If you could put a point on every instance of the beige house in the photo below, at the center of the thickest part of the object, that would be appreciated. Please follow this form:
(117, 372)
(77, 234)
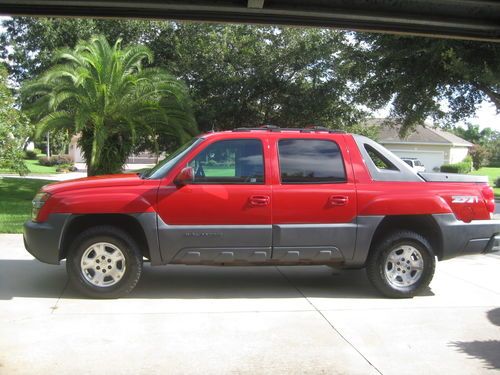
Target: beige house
(74, 151)
(76, 154)
(433, 147)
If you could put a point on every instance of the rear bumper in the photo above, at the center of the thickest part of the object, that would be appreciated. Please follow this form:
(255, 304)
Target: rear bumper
(459, 238)
(43, 240)
(494, 245)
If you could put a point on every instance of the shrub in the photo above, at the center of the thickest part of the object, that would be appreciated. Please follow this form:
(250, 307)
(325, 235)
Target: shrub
(463, 167)
(65, 168)
(44, 160)
(55, 160)
(497, 182)
(30, 154)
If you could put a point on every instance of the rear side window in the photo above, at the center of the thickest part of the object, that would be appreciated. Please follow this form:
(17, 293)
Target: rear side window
(310, 161)
(238, 161)
(380, 161)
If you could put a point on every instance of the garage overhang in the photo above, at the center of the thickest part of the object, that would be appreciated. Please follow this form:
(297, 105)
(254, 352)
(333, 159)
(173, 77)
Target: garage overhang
(467, 19)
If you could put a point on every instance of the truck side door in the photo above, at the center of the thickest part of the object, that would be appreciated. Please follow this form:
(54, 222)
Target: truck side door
(314, 199)
(224, 215)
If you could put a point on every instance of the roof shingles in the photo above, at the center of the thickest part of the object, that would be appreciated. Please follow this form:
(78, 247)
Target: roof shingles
(389, 133)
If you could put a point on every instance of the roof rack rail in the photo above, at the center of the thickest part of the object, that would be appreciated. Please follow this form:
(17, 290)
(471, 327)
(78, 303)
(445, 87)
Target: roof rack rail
(263, 127)
(274, 128)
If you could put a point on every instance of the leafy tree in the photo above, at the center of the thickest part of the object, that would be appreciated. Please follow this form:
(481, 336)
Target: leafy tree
(487, 144)
(28, 43)
(105, 94)
(245, 75)
(14, 129)
(479, 155)
(474, 134)
(237, 75)
(416, 75)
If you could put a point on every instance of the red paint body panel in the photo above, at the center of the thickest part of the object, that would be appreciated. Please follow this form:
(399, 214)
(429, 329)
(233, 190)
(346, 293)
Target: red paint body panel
(213, 205)
(124, 194)
(298, 203)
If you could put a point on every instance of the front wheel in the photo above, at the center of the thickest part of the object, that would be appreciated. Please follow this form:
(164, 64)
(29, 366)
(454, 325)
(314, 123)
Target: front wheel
(104, 262)
(402, 265)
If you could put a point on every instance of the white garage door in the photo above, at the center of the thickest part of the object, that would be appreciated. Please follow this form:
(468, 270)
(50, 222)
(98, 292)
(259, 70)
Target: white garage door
(430, 159)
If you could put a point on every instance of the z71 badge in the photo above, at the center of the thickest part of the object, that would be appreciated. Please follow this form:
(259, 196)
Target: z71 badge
(464, 199)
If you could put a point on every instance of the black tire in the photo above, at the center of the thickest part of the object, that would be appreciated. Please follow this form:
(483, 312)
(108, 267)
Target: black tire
(376, 264)
(116, 237)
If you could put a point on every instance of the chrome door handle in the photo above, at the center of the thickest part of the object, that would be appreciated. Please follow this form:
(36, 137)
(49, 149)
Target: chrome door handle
(338, 200)
(259, 200)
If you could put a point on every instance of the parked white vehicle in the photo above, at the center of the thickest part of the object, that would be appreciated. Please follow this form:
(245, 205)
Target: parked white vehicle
(416, 164)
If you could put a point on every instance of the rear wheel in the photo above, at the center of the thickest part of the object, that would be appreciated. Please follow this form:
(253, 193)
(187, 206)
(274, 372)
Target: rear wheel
(104, 262)
(402, 265)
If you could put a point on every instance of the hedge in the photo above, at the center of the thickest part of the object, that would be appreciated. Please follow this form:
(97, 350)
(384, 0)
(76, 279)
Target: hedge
(463, 167)
(55, 160)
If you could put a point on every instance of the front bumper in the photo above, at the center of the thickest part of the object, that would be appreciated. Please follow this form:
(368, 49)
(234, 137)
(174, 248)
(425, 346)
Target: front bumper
(43, 240)
(459, 238)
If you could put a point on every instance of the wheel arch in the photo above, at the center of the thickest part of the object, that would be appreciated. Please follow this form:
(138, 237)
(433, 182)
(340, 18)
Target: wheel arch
(127, 223)
(424, 225)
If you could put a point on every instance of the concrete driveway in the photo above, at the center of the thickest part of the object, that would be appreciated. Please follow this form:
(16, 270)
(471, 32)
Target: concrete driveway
(285, 320)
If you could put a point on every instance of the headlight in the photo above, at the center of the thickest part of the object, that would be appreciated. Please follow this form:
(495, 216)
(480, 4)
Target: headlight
(38, 203)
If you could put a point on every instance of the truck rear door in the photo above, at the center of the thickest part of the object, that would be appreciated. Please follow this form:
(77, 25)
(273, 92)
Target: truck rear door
(314, 198)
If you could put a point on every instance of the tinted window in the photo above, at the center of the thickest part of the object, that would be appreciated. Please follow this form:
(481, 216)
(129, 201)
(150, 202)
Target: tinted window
(229, 162)
(310, 161)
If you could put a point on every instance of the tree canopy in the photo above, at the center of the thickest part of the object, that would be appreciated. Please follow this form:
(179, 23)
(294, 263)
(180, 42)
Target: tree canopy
(237, 74)
(425, 77)
(106, 94)
(14, 129)
(240, 74)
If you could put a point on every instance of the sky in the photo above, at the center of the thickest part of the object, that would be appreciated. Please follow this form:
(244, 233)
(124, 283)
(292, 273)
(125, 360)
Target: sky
(486, 115)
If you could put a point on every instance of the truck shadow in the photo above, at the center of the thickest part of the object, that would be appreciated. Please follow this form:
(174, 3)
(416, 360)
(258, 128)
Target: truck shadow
(30, 278)
(488, 351)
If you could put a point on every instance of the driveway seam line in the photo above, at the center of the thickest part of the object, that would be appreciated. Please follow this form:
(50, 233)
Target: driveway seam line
(54, 308)
(328, 322)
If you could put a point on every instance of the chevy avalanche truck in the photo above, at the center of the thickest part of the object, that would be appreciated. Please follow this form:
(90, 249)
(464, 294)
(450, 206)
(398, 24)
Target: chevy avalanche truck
(265, 196)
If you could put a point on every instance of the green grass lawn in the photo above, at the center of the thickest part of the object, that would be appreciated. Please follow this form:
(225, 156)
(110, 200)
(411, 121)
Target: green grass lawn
(34, 168)
(219, 171)
(493, 174)
(15, 202)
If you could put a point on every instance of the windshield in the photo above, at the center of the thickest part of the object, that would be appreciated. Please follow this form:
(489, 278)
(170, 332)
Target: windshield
(408, 162)
(163, 167)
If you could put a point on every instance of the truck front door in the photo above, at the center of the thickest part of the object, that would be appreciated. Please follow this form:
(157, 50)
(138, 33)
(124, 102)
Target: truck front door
(224, 215)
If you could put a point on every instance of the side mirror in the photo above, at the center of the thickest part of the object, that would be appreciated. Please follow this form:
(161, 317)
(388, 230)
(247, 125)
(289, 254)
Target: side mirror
(185, 177)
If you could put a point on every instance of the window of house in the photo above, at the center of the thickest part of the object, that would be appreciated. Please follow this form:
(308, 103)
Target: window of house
(310, 161)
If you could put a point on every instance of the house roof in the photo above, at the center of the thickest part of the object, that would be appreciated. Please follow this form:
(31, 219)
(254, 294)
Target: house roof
(389, 133)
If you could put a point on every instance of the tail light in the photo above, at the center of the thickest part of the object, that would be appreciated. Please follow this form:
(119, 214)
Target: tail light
(489, 198)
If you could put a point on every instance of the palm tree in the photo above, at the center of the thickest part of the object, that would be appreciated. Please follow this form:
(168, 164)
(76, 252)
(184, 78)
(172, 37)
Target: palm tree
(105, 94)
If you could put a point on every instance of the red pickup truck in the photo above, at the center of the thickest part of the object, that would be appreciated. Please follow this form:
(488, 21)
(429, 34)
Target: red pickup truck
(265, 196)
